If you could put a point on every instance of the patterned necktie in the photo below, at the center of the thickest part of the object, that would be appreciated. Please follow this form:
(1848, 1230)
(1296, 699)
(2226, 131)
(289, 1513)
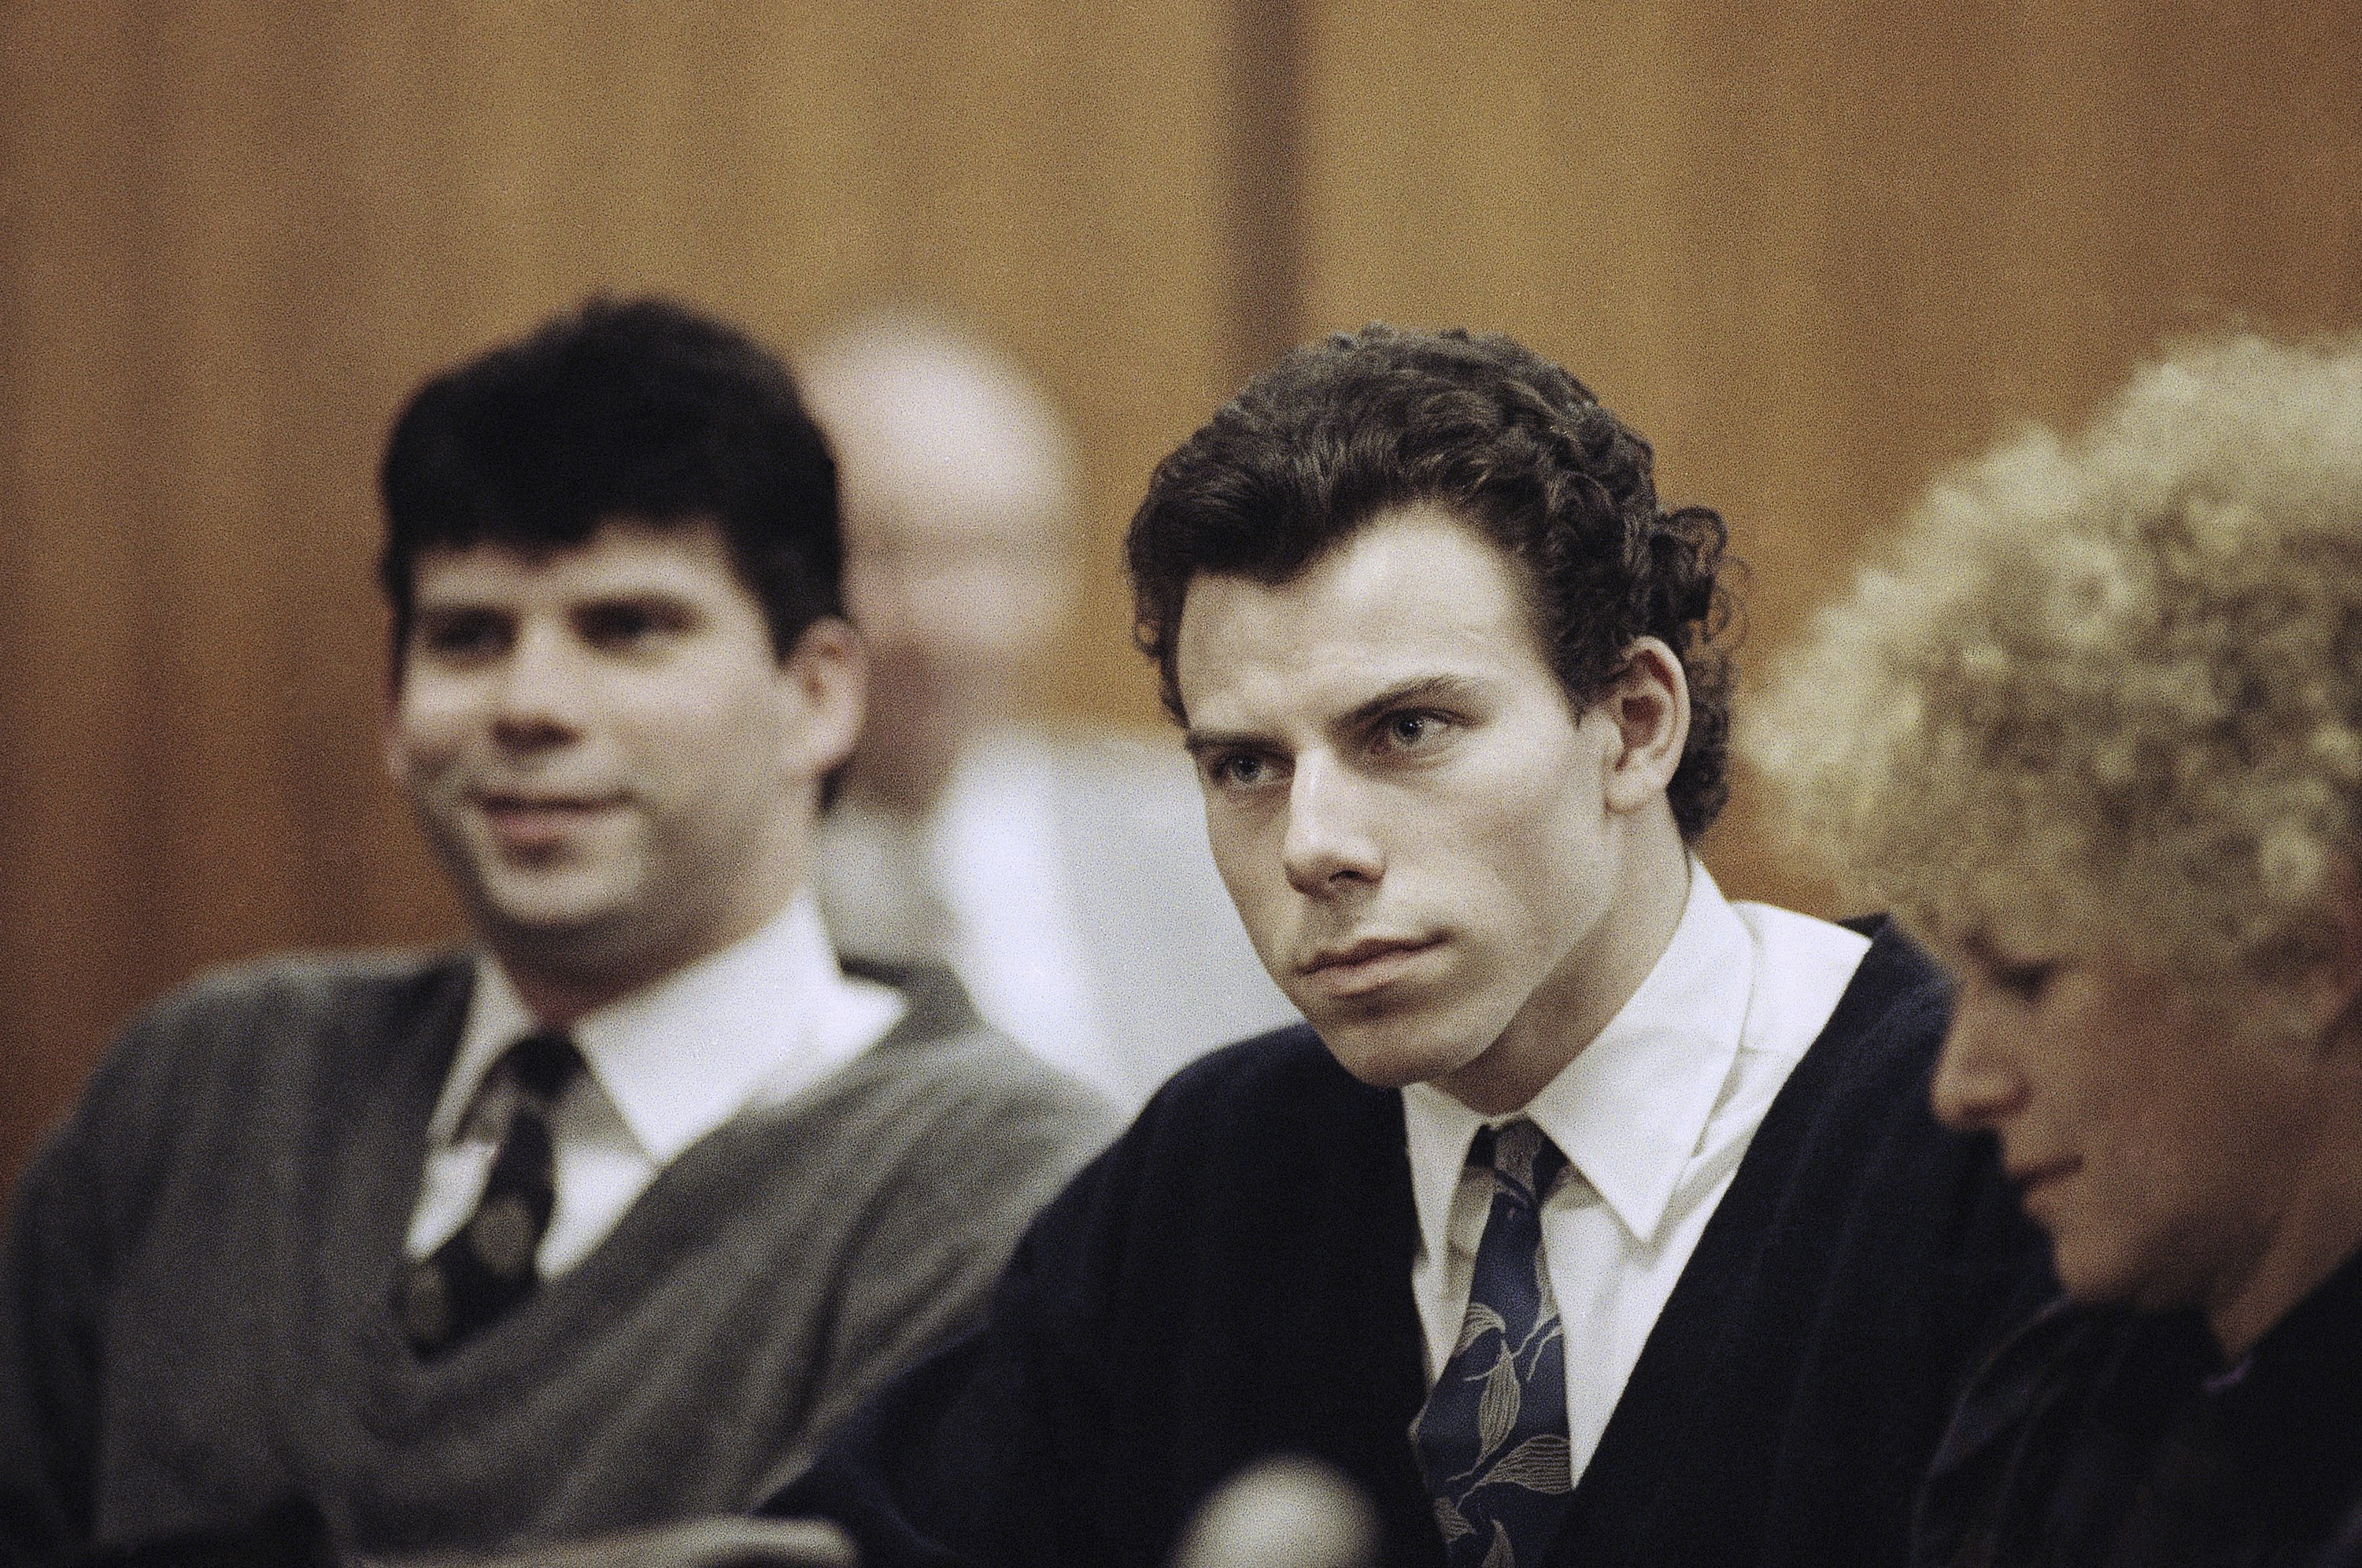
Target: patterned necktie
(1491, 1442)
(486, 1265)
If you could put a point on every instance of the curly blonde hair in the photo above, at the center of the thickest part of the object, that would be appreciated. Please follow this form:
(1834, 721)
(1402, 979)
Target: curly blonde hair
(2107, 692)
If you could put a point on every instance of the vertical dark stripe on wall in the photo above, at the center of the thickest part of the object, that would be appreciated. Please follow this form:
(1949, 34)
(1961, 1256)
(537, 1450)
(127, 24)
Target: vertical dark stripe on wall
(1265, 88)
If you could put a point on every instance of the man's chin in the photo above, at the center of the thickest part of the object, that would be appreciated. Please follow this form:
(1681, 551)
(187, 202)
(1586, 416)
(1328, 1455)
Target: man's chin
(1392, 1052)
(569, 930)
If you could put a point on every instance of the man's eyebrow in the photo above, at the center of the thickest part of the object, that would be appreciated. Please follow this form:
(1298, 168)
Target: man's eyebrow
(1449, 689)
(1197, 742)
(635, 597)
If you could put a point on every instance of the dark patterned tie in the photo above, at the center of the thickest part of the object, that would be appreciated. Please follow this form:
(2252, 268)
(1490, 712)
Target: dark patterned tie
(1491, 1442)
(487, 1266)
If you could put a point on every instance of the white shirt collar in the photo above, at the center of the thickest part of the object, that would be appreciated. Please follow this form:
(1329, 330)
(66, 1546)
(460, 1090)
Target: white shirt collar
(758, 1020)
(1631, 1109)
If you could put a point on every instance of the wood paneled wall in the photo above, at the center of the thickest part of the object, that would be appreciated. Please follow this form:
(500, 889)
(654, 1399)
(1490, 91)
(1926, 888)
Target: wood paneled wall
(1816, 250)
(1813, 248)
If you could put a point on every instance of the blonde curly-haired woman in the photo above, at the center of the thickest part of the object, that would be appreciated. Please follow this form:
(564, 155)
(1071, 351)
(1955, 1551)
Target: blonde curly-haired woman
(2095, 731)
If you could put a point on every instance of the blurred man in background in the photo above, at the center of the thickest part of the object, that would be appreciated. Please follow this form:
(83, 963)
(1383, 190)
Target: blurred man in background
(605, 1220)
(1064, 877)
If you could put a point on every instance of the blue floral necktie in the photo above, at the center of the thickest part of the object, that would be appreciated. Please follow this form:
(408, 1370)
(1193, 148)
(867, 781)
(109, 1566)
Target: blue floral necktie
(1491, 1442)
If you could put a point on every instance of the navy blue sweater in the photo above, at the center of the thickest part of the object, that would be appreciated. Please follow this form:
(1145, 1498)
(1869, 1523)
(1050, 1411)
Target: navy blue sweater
(1232, 1280)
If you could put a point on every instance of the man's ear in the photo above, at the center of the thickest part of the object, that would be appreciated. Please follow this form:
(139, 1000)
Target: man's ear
(1649, 704)
(823, 691)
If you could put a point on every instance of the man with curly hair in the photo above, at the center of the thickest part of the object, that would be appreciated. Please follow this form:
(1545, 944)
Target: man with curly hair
(1592, 1219)
(2097, 736)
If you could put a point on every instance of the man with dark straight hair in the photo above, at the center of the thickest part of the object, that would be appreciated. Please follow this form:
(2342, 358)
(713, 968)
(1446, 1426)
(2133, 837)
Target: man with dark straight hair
(1594, 1218)
(604, 1220)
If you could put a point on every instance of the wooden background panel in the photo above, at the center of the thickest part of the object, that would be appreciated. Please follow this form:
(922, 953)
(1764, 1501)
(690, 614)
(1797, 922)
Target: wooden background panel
(1816, 250)
(239, 232)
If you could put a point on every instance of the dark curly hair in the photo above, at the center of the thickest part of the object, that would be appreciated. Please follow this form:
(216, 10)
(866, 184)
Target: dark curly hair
(1367, 422)
(638, 408)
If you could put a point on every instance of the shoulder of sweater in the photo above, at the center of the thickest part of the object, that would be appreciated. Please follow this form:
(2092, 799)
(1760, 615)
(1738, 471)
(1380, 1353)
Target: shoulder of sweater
(332, 983)
(1227, 1120)
(1238, 1158)
(1278, 1096)
(197, 1067)
(1896, 1006)
(1862, 1086)
(1290, 1057)
(263, 1008)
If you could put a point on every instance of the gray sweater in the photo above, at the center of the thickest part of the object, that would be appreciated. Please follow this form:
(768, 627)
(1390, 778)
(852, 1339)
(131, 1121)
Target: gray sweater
(194, 1298)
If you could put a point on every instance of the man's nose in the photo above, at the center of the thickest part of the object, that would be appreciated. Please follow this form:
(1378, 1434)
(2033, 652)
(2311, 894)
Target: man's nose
(538, 694)
(1977, 1083)
(1330, 842)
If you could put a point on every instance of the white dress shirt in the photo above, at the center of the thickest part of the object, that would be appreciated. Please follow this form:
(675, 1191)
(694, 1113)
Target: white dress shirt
(1653, 1116)
(753, 1025)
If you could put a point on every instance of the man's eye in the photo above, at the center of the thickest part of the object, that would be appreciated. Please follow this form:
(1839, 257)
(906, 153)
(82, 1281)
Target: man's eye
(1405, 731)
(463, 635)
(627, 626)
(1239, 770)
